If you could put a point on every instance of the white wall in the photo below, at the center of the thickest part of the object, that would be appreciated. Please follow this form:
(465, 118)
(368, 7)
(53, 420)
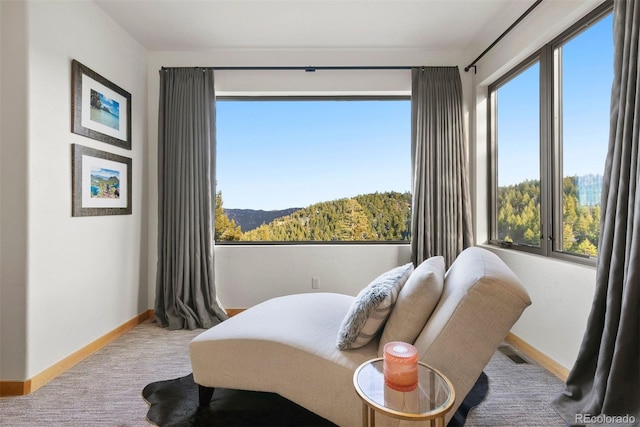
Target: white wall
(83, 276)
(561, 291)
(247, 275)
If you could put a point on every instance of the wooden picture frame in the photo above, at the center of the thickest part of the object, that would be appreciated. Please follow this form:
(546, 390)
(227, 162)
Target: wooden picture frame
(100, 109)
(101, 182)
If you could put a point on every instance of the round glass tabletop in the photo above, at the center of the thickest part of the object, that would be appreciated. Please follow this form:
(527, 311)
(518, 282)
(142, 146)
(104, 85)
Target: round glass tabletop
(433, 397)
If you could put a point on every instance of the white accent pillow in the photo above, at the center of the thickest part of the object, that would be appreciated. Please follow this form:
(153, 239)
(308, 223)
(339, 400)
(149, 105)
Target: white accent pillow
(371, 308)
(416, 302)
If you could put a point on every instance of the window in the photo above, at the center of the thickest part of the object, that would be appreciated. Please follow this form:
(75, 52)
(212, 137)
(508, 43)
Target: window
(549, 132)
(518, 176)
(313, 170)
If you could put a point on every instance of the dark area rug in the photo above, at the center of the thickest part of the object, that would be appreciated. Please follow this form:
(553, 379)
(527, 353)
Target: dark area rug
(175, 403)
(475, 397)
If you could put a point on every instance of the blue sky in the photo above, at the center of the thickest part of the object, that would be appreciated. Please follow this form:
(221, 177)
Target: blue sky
(282, 154)
(587, 63)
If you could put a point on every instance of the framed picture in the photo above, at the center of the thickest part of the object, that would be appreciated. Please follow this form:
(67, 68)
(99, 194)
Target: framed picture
(101, 182)
(99, 109)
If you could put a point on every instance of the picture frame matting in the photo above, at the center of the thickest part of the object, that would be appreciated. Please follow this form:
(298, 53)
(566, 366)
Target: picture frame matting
(100, 109)
(101, 182)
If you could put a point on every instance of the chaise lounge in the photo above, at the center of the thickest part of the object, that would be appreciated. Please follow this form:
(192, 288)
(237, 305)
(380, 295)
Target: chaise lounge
(287, 345)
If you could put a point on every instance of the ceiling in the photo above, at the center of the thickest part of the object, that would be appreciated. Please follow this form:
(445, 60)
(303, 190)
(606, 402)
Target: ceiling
(197, 25)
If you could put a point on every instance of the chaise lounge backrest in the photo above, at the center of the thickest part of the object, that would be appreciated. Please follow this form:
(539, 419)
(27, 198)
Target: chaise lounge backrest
(481, 300)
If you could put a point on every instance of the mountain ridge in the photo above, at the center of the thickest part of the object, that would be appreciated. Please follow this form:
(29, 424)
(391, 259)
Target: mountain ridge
(250, 219)
(373, 216)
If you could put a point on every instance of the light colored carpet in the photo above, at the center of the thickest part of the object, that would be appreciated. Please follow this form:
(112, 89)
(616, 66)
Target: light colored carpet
(105, 389)
(519, 395)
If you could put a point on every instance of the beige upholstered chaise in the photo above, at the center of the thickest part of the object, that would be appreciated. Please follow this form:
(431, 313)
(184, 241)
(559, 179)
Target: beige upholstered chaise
(287, 345)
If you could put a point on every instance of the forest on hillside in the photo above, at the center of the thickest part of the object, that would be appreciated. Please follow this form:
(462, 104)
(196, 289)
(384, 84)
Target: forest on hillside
(387, 216)
(519, 217)
(377, 216)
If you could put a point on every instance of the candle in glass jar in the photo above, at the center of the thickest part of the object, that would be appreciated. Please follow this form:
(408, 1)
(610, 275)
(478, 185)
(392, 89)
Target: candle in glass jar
(400, 366)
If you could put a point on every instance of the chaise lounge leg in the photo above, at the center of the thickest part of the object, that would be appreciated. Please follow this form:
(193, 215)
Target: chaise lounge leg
(204, 395)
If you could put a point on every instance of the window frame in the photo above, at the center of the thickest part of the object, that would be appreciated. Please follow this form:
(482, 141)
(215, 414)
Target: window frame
(258, 97)
(550, 144)
(493, 153)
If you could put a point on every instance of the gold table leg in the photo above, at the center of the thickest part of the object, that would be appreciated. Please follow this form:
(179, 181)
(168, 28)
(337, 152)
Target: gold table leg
(365, 415)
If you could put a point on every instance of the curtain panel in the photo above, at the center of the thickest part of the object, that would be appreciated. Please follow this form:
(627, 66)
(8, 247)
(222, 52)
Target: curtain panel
(185, 288)
(604, 383)
(441, 209)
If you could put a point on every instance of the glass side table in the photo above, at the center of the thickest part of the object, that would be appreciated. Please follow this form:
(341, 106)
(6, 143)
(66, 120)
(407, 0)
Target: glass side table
(431, 400)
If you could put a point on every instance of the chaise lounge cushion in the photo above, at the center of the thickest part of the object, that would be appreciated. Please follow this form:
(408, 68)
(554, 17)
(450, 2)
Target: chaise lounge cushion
(286, 345)
(371, 308)
(416, 301)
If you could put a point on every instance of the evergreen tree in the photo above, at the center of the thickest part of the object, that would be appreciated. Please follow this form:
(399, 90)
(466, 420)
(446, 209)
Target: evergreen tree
(378, 216)
(519, 217)
(225, 228)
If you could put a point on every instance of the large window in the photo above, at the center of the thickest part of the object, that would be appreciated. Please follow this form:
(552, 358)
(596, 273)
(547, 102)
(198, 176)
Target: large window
(518, 177)
(313, 170)
(549, 122)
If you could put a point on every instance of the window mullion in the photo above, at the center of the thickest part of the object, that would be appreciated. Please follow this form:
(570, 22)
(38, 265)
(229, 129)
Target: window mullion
(556, 160)
(547, 225)
(493, 165)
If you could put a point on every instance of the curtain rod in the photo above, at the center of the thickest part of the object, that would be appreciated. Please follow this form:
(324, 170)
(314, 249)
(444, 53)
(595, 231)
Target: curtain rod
(495, 42)
(311, 69)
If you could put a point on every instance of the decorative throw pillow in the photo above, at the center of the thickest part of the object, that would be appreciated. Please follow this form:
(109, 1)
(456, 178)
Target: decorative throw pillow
(371, 308)
(416, 301)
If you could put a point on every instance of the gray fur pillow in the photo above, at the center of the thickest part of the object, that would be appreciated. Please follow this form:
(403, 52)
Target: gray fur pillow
(371, 308)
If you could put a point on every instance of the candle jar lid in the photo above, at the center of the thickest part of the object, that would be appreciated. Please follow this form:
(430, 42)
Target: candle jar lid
(401, 350)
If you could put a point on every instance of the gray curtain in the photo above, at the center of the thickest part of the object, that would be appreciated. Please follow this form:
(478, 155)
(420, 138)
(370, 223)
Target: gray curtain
(185, 289)
(606, 376)
(441, 208)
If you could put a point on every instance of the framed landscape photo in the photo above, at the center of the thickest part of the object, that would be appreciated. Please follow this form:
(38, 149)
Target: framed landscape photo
(101, 182)
(99, 109)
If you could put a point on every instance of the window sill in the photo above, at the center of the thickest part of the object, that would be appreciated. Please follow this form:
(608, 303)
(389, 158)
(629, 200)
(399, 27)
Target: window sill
(316, 243)
(557, 257)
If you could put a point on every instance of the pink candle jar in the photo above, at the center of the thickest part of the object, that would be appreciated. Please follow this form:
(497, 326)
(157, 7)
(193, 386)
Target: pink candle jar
(400, 366)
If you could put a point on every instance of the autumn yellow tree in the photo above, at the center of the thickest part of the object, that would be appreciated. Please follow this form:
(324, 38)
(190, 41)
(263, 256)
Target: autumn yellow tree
(354, 224)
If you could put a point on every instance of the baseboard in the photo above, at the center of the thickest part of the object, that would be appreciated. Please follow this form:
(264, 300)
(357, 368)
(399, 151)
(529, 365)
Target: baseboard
(19, 388)
(14, 388)
(233, 311)
(537, 356)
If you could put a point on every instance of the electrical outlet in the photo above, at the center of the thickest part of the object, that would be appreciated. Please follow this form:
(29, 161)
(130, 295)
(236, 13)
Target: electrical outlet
(315, 283)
